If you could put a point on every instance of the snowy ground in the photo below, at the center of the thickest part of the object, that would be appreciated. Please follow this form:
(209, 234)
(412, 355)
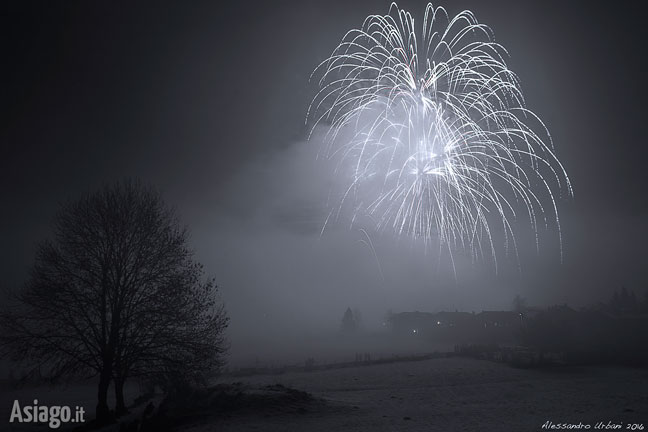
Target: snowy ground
(443, 394)
(450, 394)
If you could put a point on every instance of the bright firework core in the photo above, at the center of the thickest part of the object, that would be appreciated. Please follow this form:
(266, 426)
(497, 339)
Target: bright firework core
(429, 129)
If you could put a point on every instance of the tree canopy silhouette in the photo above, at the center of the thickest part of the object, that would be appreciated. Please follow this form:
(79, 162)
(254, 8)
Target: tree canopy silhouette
(117, 293)
(349, 322)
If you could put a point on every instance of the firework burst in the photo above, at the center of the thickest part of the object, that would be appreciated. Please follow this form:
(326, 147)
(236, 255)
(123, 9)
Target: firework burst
(429, 129)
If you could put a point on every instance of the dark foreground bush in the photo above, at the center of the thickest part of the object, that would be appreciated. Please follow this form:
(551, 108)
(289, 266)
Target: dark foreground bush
(221, 401)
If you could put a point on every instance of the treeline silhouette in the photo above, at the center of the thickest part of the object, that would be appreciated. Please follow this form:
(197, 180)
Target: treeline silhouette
(612, 332)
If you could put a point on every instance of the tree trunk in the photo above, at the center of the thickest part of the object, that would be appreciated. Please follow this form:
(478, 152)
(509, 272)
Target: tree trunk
(120, 406)
(102, 413)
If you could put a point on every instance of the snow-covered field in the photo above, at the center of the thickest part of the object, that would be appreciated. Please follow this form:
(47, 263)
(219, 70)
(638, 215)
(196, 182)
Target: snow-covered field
(442, 394)
(450, 394)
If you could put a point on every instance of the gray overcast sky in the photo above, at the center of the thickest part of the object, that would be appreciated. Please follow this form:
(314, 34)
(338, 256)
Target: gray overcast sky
(207, 103)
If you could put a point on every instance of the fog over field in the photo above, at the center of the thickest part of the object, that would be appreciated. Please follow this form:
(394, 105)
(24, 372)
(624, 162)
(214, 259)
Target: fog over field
(295, 301)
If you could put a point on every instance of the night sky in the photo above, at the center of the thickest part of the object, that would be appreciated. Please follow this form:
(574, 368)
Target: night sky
(208, 102)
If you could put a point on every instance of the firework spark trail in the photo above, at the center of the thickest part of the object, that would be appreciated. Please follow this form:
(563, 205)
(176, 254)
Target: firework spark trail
(430, 129)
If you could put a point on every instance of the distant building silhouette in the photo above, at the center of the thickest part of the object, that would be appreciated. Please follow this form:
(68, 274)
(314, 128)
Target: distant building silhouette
(459, 327)
(488, 319)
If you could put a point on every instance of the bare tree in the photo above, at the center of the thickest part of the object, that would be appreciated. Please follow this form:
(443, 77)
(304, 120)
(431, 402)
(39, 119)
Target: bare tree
(116, 294)
(177, 336)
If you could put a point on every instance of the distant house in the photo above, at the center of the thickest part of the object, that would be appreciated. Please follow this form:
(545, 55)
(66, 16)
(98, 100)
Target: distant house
(586, 336)
(459, 327)
(416, 322)
(426, 322)
(413, 322)
(489, 319)
(454, 319)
